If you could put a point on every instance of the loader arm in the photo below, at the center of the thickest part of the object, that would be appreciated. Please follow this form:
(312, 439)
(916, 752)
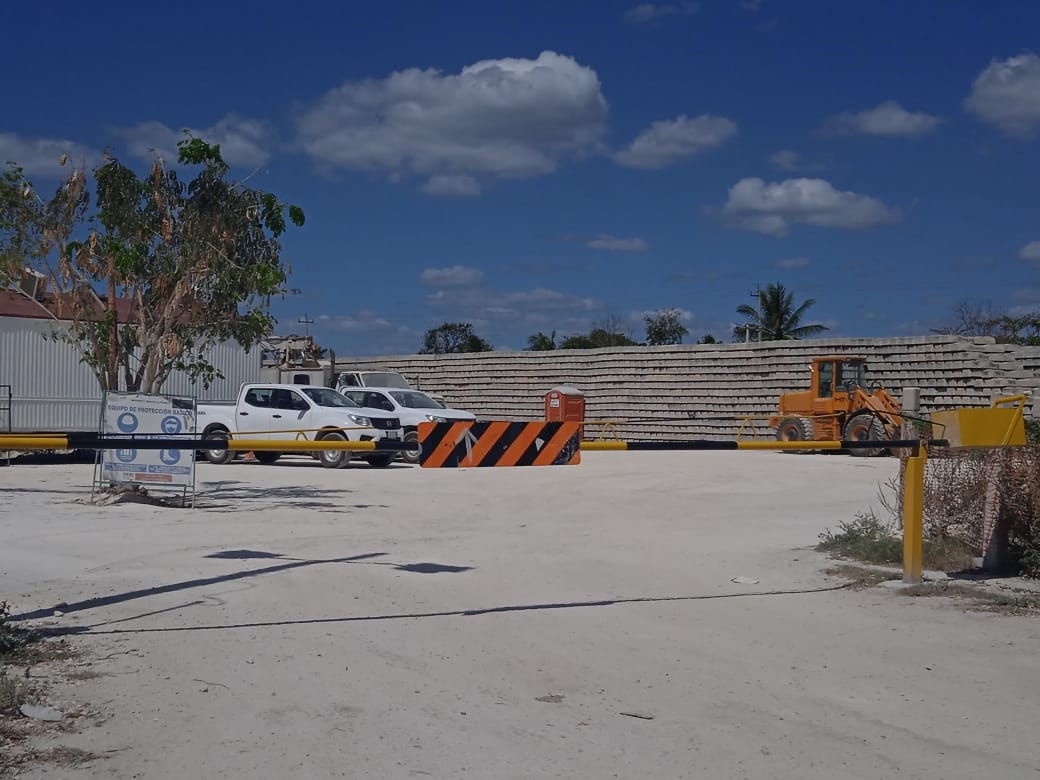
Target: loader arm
(882, 404)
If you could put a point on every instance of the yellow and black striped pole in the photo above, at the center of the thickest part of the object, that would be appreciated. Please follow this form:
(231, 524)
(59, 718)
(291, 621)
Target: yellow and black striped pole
(709, 445)
(93, 441)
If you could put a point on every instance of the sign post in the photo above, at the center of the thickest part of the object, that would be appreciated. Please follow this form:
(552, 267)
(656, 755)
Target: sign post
(143, 416)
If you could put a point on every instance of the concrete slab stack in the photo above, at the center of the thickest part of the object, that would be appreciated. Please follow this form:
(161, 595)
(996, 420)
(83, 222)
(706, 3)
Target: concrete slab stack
(708, 391)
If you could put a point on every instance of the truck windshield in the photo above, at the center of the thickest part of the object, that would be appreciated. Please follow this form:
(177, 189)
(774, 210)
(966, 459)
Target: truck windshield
(413, 399)
(385, 379)
(322, 396)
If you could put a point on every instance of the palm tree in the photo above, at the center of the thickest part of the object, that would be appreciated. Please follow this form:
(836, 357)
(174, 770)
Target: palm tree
(539, 342)
(776, 318)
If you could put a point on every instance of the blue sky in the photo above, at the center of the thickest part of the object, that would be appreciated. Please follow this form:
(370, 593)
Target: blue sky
(545, 166)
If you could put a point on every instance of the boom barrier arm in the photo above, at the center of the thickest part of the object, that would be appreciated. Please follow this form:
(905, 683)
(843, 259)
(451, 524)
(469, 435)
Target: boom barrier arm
(93, 441)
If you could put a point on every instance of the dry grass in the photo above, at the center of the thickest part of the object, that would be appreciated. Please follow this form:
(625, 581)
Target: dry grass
(973, 596)
(14, 692)
(979, 597)
(55, 756)
(862, 577)
(83, 674)
(40, 651)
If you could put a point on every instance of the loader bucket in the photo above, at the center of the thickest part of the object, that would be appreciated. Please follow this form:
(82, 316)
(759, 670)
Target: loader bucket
(998, 426)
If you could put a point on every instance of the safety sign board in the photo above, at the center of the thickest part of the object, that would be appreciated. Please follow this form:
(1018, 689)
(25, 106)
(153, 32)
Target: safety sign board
(136, 415)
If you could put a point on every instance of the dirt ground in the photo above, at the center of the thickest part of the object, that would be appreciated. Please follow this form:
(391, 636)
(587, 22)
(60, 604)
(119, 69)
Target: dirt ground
(642, 615)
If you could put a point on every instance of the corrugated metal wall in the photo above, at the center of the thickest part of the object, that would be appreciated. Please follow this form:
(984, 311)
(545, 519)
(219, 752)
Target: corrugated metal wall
(52, 390)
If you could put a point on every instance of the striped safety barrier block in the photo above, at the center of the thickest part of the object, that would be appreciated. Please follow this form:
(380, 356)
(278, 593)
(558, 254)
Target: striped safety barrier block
(499, 443)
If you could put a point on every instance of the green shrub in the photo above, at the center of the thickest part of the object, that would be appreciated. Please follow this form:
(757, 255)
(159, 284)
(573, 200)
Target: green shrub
(867, 538)
(10, 639)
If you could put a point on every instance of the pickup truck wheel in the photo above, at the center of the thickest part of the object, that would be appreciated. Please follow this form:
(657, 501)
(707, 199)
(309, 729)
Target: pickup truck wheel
(865, 427)
(380, 461)
(411, 457)
(267, 458)
(215, 455)
(333, 459)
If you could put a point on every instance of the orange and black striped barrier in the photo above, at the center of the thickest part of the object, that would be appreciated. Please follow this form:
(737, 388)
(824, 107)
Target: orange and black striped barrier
(499, 443)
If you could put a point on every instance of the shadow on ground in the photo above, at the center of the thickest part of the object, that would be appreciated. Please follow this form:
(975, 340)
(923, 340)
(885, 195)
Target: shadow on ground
(289, 563)
(238, 496)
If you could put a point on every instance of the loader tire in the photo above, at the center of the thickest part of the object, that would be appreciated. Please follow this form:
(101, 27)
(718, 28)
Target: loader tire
(794, 429)
(865, 427)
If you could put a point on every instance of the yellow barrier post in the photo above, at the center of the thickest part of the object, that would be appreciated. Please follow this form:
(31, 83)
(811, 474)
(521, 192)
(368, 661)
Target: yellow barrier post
(913, 515)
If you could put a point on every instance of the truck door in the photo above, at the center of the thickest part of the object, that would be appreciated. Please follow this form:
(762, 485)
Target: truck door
(289, 414)
(256, 412)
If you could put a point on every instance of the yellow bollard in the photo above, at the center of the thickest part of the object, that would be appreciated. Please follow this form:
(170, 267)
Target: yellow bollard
(913, 515)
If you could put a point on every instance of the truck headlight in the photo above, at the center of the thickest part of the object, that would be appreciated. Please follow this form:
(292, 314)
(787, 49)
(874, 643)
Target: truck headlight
(436, 418)
(359, 420)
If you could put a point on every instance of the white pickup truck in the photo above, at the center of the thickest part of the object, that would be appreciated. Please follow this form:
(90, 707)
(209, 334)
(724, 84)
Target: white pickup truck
(274, 411)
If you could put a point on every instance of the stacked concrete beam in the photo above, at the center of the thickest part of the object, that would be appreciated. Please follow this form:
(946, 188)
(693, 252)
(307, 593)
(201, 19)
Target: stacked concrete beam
(710, 391)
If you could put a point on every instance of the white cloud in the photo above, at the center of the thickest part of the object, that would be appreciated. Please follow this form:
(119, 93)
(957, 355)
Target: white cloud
(243, 142)
(42, 156)
(505, 118)
(771, 208)
(1027, 300)
(367, 333)
(1030, 251)
(614, 244)
(363, 321)
(453, 276)
(456, 184)
(1007, 94)
(794, 262)
(648, 12)
(536, 308)
(543, 298)
(786, 160)
(1025, 310)
(888, 120)
(670, 141)
(639, 317)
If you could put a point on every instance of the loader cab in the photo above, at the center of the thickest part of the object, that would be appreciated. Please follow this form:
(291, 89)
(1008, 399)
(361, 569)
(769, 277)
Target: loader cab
(853, 374)
(837, 374)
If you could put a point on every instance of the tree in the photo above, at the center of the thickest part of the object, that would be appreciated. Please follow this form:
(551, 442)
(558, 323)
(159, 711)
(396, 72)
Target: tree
(453, 337)
(978, 319)
(609, 332)
(776, 318)
(707, 338)
(596, 339)
(158, 272)
(665, 327)
(539, 342)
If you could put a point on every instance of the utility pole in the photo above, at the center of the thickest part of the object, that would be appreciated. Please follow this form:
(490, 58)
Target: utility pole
(757, 295)
(306, 322)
